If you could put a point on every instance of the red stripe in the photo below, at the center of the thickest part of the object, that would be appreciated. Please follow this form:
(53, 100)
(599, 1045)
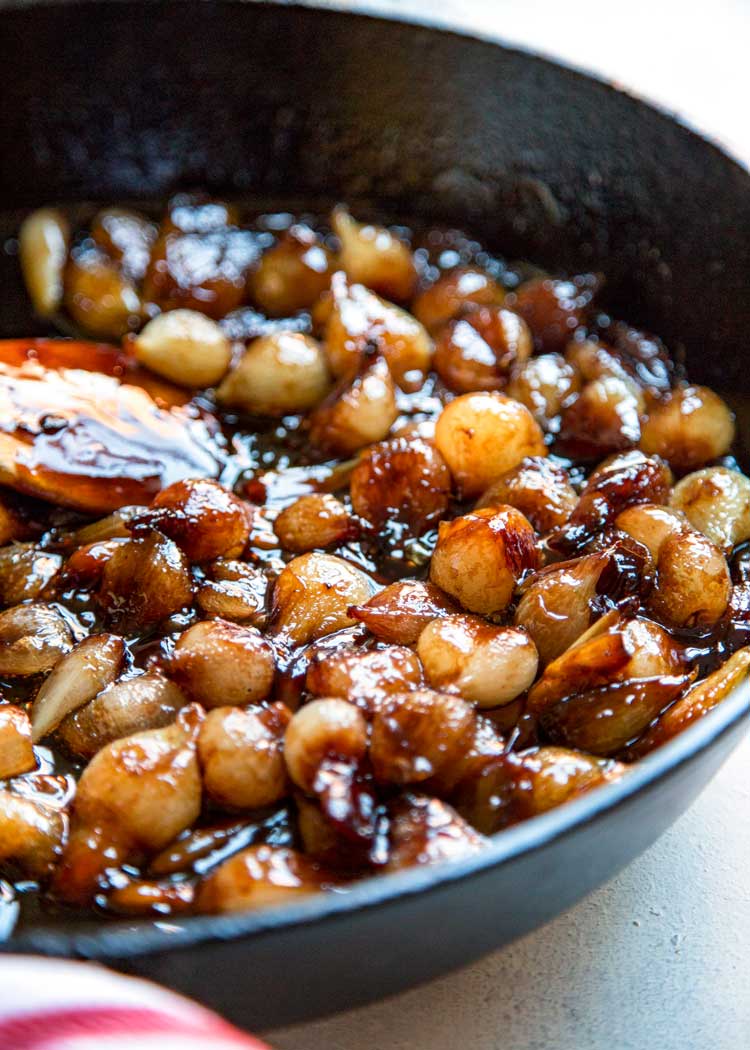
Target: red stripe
(35, 1031)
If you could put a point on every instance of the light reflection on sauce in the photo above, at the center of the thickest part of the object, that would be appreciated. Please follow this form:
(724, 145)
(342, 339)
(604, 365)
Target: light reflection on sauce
(89, 441)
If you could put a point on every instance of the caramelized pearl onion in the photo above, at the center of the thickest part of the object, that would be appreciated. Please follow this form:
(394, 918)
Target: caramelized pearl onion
(374, 256)
(293, 274)
(606, 689)
(357, 547)
(359, 323)
(242, 756)
(481, 436)
(478, 351)
(540, 489)
(487, 665)
(453, 292)
(480, 557)
(403, 480)
(364, 677)
(399, 612)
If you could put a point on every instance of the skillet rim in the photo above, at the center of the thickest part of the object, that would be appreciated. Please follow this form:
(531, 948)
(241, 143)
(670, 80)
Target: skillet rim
(368, 12)
(110, 942)
(145, 937)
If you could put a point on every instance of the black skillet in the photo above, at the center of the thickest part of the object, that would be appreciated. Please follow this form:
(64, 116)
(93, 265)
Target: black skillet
(115, 100)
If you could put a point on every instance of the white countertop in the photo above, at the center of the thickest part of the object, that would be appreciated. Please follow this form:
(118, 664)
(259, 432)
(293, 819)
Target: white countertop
(659, 959)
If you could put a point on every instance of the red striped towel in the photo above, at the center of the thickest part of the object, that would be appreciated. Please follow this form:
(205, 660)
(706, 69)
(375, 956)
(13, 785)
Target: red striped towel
(46, 1004)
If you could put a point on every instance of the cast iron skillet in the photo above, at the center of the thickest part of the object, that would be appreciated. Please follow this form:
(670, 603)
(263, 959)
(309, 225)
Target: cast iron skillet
(110, 101)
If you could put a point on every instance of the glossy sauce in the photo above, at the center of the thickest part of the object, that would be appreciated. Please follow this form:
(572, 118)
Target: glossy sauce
(113, 442)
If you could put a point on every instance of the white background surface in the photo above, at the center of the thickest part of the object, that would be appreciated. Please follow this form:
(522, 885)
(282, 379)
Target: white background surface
(659, 959)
